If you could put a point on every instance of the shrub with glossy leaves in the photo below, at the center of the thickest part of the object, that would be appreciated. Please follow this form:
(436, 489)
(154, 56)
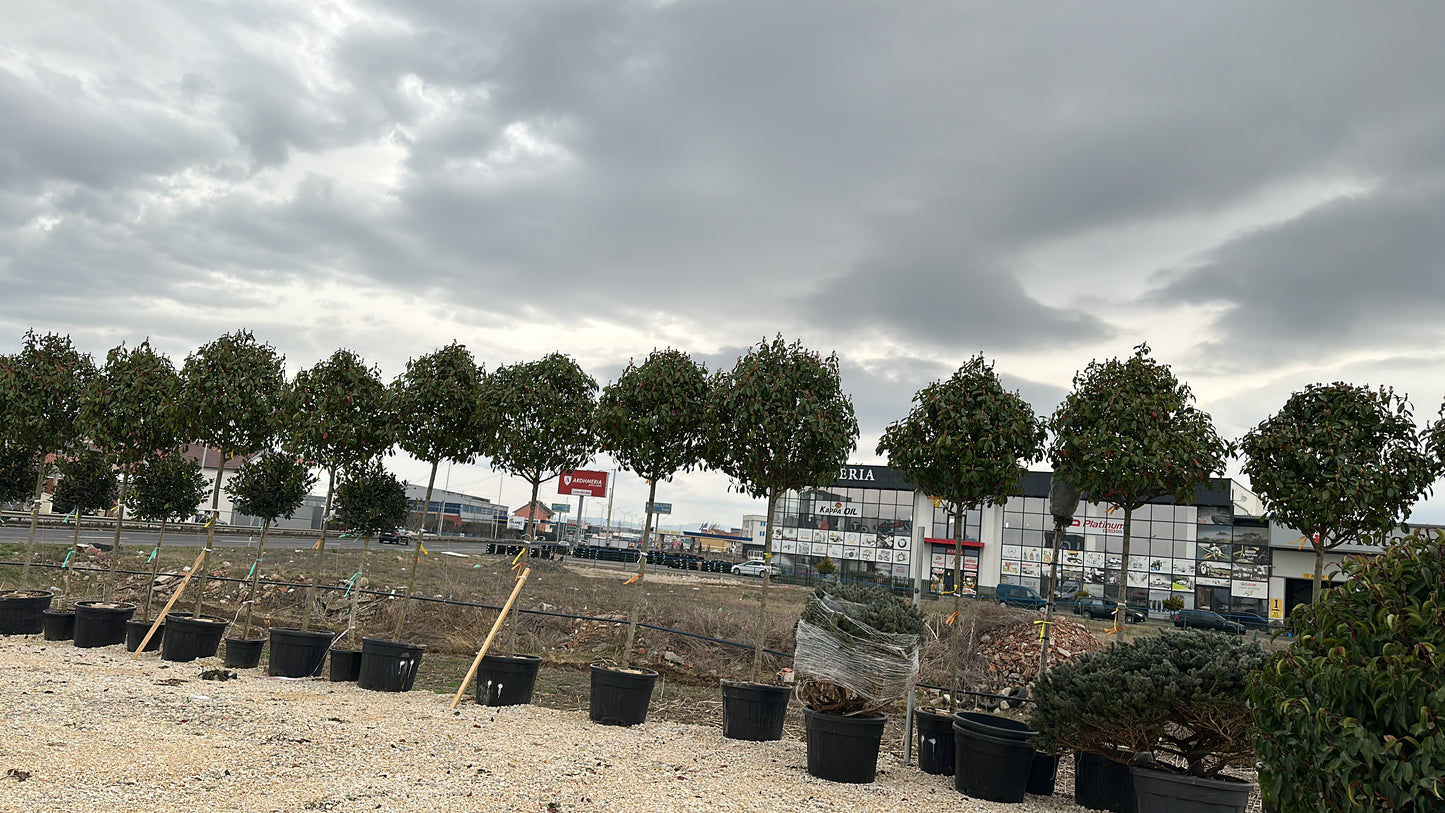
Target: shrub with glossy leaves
(1350, 717)
(1178, 695)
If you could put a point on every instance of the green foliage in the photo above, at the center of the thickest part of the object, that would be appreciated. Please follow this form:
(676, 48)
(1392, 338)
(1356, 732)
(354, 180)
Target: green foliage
(825, 566)
(653, 418)
(129, 409)
(339, 413)
(1180, 695)
(270, 486)
(1340, 461)
(1351, 715)
(233, 390)
(540, 417)
(779, 420)
(369, 499)
(878, 607)
(1174, 603)
(18, 468)
(967, 440)
(40, 391)
(438, 395)
(166, 486)
(1129, 433)
(87, 481)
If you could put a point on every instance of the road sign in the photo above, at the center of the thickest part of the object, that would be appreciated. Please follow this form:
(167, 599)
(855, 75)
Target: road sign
(659, 507)
(561, 507)
(588, 483)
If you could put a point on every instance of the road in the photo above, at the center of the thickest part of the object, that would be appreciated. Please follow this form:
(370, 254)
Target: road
(18, 532)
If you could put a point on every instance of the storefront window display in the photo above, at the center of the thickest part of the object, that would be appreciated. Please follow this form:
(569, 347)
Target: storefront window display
(864, 530)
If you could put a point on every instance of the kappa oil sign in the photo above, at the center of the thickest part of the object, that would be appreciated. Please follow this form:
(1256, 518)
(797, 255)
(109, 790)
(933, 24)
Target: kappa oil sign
(838, 509)
(589, 483)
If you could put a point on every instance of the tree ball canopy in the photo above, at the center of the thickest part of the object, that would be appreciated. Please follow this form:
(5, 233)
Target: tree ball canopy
(653, 419)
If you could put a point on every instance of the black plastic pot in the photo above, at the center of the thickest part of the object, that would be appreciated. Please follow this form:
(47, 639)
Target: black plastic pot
(507, 680)
(297, 654)
(1043, 774)
(188, 638)
(244, 653)
(935, 741)
(754, 711)
(620, 697)
(995, 726)
(100, 624)
(995, 769)
(388, 666)
(345, 665)
(57, 625)
(843, 749)
(20, 611)
(1160, 792)
(1103, 784)
(135, 632)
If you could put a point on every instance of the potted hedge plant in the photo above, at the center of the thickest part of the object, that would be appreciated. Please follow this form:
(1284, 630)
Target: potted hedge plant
(369, 499)
(1348, 717)
(857, 653)
(1171, 708)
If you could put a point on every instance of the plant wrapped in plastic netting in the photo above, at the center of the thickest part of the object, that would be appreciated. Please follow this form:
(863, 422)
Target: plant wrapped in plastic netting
(857, 649)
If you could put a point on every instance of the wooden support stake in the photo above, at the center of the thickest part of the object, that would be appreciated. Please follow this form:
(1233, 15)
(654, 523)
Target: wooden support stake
(169, 604)
(496, 627)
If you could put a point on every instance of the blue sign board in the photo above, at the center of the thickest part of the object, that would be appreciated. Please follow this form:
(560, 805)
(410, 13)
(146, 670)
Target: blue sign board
(561, 507)
(660, 507)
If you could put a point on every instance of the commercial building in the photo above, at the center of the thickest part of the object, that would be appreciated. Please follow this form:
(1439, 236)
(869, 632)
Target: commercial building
(1213, 552)
(455, 512)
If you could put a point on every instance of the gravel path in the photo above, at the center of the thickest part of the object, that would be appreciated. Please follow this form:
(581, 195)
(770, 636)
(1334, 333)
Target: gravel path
(93, 730)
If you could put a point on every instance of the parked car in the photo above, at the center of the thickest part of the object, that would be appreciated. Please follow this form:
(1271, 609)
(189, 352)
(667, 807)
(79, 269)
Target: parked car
(1093, 607)
(395, 536)
(754, 567)
(1206, 620)
(1017, 595)
(1250, 621)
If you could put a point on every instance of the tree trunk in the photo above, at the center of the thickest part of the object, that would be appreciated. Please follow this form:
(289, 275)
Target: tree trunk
(957, 604)
(1053, 588)
(115, 541)
(65, 568)
(767, 580)
(1319, 585)
(536, 480)
(415, 554)
(255, 578)
(361, 580)
(320, 549)
(155, 563)
(34, 521)
(210, 536)
(1121, 613)
(641, 573)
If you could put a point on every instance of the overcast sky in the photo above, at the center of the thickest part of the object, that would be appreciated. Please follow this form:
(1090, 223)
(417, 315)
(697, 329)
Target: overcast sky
(1255, 189)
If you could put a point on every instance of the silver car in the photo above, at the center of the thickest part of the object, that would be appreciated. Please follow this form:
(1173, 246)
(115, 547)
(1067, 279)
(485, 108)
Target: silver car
(754, 567)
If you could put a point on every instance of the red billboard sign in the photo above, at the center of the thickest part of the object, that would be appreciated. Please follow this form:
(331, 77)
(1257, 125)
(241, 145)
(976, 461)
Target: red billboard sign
(590, 483)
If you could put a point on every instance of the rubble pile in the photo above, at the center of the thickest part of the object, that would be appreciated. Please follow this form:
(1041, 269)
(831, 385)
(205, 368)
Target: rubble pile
(1010, 658)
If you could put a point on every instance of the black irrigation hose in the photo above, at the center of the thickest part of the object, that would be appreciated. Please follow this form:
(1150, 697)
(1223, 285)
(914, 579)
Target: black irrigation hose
(447, 601)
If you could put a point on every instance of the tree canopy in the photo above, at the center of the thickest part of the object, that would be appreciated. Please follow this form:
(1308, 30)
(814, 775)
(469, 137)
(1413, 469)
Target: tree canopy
(271, 485)
(967, 440)
(233, 390)
(780, 420)
(166, 486)
(40, 390)
(438, 394)
(653, 418)
(129, 408)
(1339, 463)
(86, 482)
(369, 499)
(340, 413)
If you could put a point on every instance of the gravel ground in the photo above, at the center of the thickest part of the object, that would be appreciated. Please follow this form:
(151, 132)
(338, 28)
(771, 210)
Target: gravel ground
(94, 730)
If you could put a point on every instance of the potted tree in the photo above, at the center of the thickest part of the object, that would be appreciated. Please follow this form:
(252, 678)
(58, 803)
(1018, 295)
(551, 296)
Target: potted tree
(234, 389)
(39, 401)
(269, 486)
(87, 482)
(369, 498)
(857, 653)
(652, 420)
(967, 441)
(538, 420)
(162, 487)
(778, 421)
(1128, 434)
(1172, 707)
(438, 395)
(1348, 716)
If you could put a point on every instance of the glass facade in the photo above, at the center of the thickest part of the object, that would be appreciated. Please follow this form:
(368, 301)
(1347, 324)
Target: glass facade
(865, 526)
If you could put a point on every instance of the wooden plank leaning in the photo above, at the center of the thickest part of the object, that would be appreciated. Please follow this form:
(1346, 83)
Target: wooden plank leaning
(169, 604)
(496, 626)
